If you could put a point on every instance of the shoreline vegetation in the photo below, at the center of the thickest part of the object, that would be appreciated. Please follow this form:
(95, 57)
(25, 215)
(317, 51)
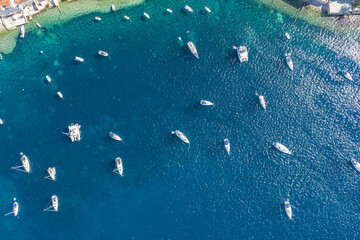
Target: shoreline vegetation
(315, 15)
(51, 16)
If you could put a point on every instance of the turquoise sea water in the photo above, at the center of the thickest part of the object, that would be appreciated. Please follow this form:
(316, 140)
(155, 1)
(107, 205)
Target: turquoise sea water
(152, 85)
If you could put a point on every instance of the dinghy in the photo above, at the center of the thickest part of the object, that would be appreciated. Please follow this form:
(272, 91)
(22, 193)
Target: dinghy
(115, 136)
(262, 101)
(118, 166)
(227, 145)
(52, 173)
(288, 209)
(181, 136)
(281, 148)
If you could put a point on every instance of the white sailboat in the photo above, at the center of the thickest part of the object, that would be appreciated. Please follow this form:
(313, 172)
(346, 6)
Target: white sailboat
(54, 207)
(118, 166)
(206, 103)
(22, 32)
(192, 49)
(281, 148)
(181, 136)
(207, 9)
(98, 18)
(15, 209)
(74, 132)
(288, 209)
(227, 145)
(262, 101)
(169, 10)
(25, 164)
(52, 173)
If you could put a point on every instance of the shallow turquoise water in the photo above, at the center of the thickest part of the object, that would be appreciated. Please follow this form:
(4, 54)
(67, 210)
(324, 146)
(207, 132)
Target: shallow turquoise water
(152, 85)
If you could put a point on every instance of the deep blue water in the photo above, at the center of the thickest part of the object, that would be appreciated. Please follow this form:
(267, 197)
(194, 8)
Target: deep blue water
(152, 85)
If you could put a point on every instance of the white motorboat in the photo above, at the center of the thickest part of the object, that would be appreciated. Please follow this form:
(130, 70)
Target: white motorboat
(146, 15)
(262, 101)
(289, 61)
(126, 17)
(22, 32)
(115, 136)
(74, 132)
(207, 9)
(281, 148)
(103, 53)
(288, 209)
(113, 9)
(356, 164)
(287, 35)
(1, 121)
(347, 75)
(1, 56)
(60, 95)
(169, 10)
(97, 18)
(52, 173)
(227, 145)
(189, 9)
(54, 204)
(192, 49)
(118, 166)
(206, 103)
(242, 53)
(38, 25)
(79, 59)
(48, 78)
(181, 136)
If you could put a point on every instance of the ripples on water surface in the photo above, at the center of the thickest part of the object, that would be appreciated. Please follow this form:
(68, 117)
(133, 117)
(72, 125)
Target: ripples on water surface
(152, 85)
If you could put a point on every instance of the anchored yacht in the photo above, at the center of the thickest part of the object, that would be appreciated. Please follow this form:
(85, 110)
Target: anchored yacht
(356, 164)
(227, 145)
(192, 49)
(169, 10)
(118, 166)
(103, 53)
(60, 95)
(54, 204)
(181, 136)
(289, 61)
(146, 15)
(262, 101)
(281, 148)
(206, 103)
(126, 17)
(22, 32)
(207, 9)
(97, 18)
(115, 136)
(347, 75)
(52, 173)
(48, 78)
(288, 209)
(287, 35)
(242, 53)
(189, 9)
(74, 132)
(79, 59)
(15, 209)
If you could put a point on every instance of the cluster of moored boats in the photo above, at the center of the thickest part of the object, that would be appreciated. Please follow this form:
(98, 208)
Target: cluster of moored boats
(74, 132)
